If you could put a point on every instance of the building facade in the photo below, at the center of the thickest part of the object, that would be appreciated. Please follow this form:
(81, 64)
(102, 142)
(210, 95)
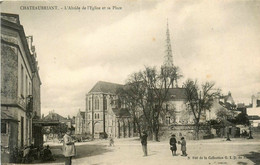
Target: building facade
(20, 84)
(224, 103)
(80, 123)
(254, 111)
(176, 111)
(103, 115)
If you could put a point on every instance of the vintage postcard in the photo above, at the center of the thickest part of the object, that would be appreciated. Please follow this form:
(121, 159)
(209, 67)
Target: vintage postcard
(129, 82)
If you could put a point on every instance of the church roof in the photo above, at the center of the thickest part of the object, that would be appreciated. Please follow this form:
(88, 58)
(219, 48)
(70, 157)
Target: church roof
(108, 87)
(105, 87)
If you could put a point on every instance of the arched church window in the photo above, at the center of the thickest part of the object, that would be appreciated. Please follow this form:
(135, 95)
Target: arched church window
(96, 103)
(89, 104)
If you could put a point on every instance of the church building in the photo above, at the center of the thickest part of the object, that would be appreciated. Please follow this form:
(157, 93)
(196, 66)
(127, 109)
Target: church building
(103, 114)
(104, 117)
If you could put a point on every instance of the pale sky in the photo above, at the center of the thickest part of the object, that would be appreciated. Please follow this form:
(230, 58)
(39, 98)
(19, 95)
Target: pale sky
(211, 41)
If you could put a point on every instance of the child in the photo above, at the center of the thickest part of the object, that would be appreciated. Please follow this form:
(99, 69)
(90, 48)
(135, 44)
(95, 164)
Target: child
(183, 146)
(111, 141)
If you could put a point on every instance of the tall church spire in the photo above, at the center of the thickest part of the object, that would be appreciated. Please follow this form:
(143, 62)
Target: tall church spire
(168, 60)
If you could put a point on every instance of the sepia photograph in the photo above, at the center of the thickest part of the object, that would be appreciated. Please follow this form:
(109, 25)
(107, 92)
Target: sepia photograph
(130, 82)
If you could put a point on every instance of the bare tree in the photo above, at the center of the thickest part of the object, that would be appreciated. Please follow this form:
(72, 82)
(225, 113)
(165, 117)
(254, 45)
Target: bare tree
(129, 97)
(147, 91)
(199, 100)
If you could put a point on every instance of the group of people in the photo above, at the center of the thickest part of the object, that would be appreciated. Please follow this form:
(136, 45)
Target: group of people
(69, 149)
(173, 146)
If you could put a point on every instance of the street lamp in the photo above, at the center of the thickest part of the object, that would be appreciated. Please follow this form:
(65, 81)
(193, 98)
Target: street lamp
(250, 133)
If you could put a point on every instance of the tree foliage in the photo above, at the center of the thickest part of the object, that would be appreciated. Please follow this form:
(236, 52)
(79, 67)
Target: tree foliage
(224, 114)
(241, 118)
(59, 129)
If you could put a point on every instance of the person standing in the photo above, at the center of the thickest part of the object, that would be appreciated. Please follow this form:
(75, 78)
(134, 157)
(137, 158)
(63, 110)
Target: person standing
(250, 134)
(111, 141)
(69, 149)
(228, 138)
(173, 145)
(183, 147)
(144, 142)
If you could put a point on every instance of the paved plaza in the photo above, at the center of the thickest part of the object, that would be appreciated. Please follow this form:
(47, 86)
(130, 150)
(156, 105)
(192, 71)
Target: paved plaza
(129, 151)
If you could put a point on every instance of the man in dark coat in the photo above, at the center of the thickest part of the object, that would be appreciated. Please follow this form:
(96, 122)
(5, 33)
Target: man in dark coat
(173, 145)
(144, 142)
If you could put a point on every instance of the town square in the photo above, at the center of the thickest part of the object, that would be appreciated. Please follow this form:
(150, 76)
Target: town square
(128, 151)
(130, 82)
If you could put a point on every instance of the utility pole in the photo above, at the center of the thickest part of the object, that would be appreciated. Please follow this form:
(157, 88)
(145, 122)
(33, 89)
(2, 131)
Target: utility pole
(104, 116)
(118, 128)
(93, 126)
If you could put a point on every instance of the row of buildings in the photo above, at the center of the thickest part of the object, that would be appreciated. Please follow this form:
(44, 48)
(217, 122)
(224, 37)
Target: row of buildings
(20, 87)
(103, 114)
